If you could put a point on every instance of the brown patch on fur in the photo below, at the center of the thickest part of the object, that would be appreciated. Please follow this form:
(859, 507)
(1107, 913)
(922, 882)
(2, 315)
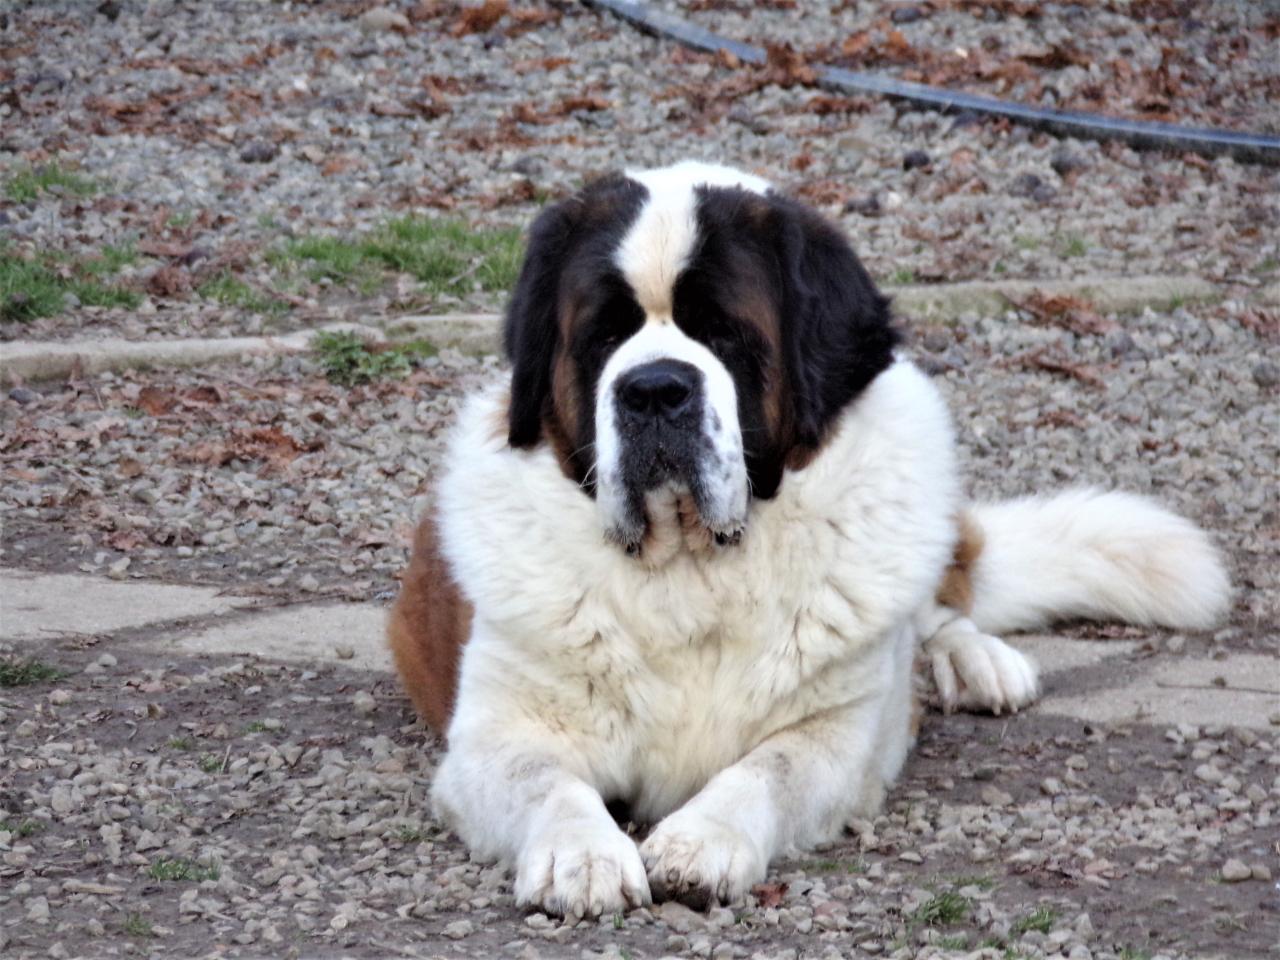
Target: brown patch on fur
(560, 423)
(428, 628)
(956, 590)
(917, 712)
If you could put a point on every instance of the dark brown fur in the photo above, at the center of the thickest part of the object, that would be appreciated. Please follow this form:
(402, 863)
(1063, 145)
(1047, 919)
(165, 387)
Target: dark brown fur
(428, 628)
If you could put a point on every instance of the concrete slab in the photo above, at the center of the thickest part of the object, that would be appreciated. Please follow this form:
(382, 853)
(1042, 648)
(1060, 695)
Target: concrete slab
(1053, 653)
(1242, 691)
(40, 606)
(348, 633)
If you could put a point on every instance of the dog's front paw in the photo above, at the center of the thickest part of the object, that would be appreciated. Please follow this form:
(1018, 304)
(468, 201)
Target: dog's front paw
(697, 860)
(974, 671)
(581, 868)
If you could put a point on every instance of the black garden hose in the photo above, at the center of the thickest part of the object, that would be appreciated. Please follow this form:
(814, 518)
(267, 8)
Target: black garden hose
(1252, 147)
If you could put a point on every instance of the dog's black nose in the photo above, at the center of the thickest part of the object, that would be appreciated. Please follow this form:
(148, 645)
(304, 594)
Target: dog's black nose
(660, 388)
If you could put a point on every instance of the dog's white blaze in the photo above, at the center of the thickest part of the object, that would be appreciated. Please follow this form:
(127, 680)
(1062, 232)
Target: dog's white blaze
(724, 471)
(665, 234)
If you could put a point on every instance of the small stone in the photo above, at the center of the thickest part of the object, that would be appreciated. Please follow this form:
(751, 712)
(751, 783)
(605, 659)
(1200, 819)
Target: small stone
(1065, 162)
(910, 856)
(23, 396)
(1235, 871)
(1209, 773)
(118, 569)
(309, 583)
(109, 9)
(915, 159)
(892, 201)
(1266, 374)
(60, 698)
(1261, 872)
(867, 205)
(363, 702)
(382, 19)
(996, 797)
(906, 15)
(259, 151)
(459, 929)
(37, 909)
(1024, 185)
(344, 651)
(1176, 644)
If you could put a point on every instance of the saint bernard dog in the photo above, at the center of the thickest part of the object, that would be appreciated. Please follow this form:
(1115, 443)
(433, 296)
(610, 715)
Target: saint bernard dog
(686, 559)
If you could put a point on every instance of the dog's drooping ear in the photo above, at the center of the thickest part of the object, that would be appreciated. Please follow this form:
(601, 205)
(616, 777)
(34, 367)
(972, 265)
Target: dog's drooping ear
(836, 330)
(531, 330)
(569, 249)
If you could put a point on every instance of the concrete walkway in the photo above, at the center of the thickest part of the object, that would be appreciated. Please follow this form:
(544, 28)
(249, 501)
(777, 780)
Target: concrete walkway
(1097, 681)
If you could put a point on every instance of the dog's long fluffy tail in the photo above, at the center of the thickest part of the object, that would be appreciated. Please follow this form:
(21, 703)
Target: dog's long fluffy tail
(1093, 554)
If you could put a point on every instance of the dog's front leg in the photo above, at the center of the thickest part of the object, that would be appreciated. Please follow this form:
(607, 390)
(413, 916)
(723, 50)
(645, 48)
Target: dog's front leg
(511, 793)
(796, 789)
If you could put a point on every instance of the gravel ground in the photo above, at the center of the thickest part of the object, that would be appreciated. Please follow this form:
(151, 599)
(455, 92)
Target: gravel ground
(211, 147)
(169, 807)
(238, 808)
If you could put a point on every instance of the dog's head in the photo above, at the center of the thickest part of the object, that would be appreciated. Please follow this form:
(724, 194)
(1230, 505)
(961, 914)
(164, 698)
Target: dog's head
(687, 329)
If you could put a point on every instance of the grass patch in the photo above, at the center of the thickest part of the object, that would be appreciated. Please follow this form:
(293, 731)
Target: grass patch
(180, 869)
(38, 288)
(1269, 265)
(943, 910)
(902, 276)
(137, 926)
(29, 184)
(445, 256)
(210, 763)
(1040, 920)
(1073, 245)
(956, 941)
(21, 673)
(1130, 953)
(111, 260)
(21, 828)
(348, 360)
(982, 881)
(838, 866)
(1024, 242)
(413, 835)
(182, 743)
(232, 292)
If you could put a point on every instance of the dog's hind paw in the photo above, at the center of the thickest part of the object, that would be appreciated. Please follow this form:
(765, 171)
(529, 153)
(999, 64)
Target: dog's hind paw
(975, 671)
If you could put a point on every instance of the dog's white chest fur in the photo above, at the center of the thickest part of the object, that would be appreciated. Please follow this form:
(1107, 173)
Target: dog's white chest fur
(660, 676)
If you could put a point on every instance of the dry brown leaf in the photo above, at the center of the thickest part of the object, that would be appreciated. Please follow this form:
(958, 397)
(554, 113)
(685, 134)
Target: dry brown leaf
(169, 282)
(155, 401)
(1070, 313)
(479, 19)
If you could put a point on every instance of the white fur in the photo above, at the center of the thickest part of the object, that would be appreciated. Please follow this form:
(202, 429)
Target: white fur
(660, 241)
(748, 700)
(724, 470)
(765, 689)
(1101, 555)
